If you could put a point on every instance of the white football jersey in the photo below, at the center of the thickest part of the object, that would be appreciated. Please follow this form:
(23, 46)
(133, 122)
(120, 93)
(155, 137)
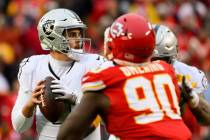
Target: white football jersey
(36, 68)
(193, 75)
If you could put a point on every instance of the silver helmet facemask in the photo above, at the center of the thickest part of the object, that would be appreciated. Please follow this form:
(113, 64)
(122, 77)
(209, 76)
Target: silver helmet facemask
(75, 47)
(53, 27)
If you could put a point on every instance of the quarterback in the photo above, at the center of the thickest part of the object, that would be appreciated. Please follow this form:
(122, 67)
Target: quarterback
(62, 33)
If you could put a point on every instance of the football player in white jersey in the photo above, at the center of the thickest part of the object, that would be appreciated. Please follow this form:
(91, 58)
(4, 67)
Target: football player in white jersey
(61, 31)
(166, 49)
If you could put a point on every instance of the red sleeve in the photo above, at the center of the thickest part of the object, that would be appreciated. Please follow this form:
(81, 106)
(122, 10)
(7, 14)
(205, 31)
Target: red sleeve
(98, 80)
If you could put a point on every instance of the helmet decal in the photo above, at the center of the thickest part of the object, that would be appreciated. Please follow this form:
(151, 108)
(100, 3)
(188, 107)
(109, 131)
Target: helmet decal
(116, 29)
(48, 26)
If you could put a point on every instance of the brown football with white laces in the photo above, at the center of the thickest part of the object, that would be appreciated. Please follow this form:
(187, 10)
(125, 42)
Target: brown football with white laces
(51, 108)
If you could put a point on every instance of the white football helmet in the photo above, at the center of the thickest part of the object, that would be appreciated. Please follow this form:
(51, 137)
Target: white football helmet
(166, 42)
(51, 30)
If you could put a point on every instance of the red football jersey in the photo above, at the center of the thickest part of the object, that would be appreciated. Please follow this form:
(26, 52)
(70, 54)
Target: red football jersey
(192, 123)
(144, 101)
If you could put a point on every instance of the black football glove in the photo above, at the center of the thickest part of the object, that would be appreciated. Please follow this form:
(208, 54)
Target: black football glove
(186, 90)
(189, 95)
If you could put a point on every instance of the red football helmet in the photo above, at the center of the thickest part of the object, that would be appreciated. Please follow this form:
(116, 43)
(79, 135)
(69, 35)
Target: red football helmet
(131, 39)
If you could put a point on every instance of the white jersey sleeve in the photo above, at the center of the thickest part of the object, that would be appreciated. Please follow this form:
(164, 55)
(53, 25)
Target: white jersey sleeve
(93, 61)
(19, 121)
(193, 75)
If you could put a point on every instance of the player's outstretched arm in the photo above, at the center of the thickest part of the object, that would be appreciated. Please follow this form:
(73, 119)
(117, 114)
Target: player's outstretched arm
(202, 111)
(79, 120)
(198, 105)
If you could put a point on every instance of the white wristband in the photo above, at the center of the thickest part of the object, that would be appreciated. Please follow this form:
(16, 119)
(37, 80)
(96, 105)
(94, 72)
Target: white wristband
(194, 102)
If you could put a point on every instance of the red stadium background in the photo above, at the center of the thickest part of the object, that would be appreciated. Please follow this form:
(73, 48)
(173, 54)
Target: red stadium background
(189, 19)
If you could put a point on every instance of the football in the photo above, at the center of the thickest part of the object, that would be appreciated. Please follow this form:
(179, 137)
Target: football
(50, 108)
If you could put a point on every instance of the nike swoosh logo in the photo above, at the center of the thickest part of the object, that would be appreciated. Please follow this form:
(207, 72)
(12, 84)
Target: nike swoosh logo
(98, 58)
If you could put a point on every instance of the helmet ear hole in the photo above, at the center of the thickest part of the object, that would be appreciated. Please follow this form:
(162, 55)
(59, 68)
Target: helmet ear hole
(125, 20)
(50, 38)
(110, 48)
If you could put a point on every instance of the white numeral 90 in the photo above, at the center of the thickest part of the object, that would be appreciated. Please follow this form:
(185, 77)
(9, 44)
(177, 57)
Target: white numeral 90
(158, 98)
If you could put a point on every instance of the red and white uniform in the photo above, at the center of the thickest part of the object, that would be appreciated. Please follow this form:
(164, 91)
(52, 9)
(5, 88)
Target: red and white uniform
(144, 101)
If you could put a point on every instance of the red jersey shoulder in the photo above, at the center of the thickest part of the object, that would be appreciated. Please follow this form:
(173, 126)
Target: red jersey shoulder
(101, 78)
(169, 69)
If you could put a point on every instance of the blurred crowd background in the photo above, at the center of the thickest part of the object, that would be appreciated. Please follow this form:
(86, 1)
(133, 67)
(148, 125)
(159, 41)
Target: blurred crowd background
(189, 19)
